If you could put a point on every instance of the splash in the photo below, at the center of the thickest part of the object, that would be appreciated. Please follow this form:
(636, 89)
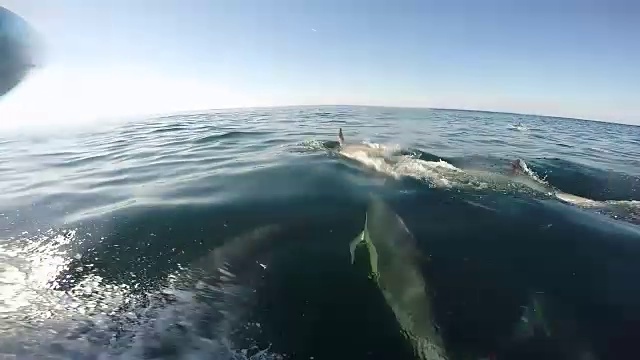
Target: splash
(627, 210)
(389, 160)
(29, 274)
(93, 318)
(524, 168)
(314, 145)
(518, 127)
(392, 160)
(35, 318)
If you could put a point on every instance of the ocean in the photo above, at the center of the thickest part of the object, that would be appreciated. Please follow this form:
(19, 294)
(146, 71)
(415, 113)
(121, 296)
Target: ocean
(225, 235)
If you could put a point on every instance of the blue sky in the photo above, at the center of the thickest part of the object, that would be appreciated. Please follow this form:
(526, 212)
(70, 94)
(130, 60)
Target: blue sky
(105, 59)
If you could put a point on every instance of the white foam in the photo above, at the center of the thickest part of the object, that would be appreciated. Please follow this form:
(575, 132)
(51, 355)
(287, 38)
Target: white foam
(519, 127)
(30, 268)
(525, 169)
(630, 208)
(49, 324)
(385, 159)
(441, 174)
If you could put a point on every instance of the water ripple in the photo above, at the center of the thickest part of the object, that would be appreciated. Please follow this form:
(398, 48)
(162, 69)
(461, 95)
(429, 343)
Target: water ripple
(149, 196)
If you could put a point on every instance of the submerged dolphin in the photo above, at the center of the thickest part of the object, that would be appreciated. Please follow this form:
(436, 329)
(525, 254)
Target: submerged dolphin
(545, 331)
(395, 268)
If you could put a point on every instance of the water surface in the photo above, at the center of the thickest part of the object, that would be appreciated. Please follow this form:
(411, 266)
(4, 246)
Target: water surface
(109, 236)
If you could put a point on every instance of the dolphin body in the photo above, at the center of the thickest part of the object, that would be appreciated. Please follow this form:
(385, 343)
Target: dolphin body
(542, 332)
(546, 331)
(395, 268)
(353, 151)
(395, 164)
(620, 209)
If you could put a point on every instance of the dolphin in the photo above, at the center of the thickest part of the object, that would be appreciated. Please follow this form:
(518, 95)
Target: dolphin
(440, 172)
(354, 150)
(519, 167)
(519, 179)
(545, 330)
(395, 268)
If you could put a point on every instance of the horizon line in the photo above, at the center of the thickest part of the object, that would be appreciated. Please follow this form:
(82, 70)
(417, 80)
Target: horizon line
(185, 112)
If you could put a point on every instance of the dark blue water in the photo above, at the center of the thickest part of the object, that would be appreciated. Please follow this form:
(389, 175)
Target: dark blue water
(112, 238)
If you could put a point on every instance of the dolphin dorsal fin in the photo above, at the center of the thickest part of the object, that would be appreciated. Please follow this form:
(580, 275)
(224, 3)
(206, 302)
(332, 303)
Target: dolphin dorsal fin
(340, 137)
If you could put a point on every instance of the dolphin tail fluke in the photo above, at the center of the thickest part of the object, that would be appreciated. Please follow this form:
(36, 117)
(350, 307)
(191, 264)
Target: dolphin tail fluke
(340, 137)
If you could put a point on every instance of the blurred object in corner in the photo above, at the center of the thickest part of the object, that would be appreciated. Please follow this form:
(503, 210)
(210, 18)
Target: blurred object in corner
(18, 50)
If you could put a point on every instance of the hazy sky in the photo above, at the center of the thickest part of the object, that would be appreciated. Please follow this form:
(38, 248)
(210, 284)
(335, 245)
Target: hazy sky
(111, 58)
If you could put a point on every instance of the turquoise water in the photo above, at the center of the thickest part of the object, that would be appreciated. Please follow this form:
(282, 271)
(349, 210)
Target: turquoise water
(109, 236)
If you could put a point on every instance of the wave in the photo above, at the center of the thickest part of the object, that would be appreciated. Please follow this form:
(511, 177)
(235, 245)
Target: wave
(228, 135)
